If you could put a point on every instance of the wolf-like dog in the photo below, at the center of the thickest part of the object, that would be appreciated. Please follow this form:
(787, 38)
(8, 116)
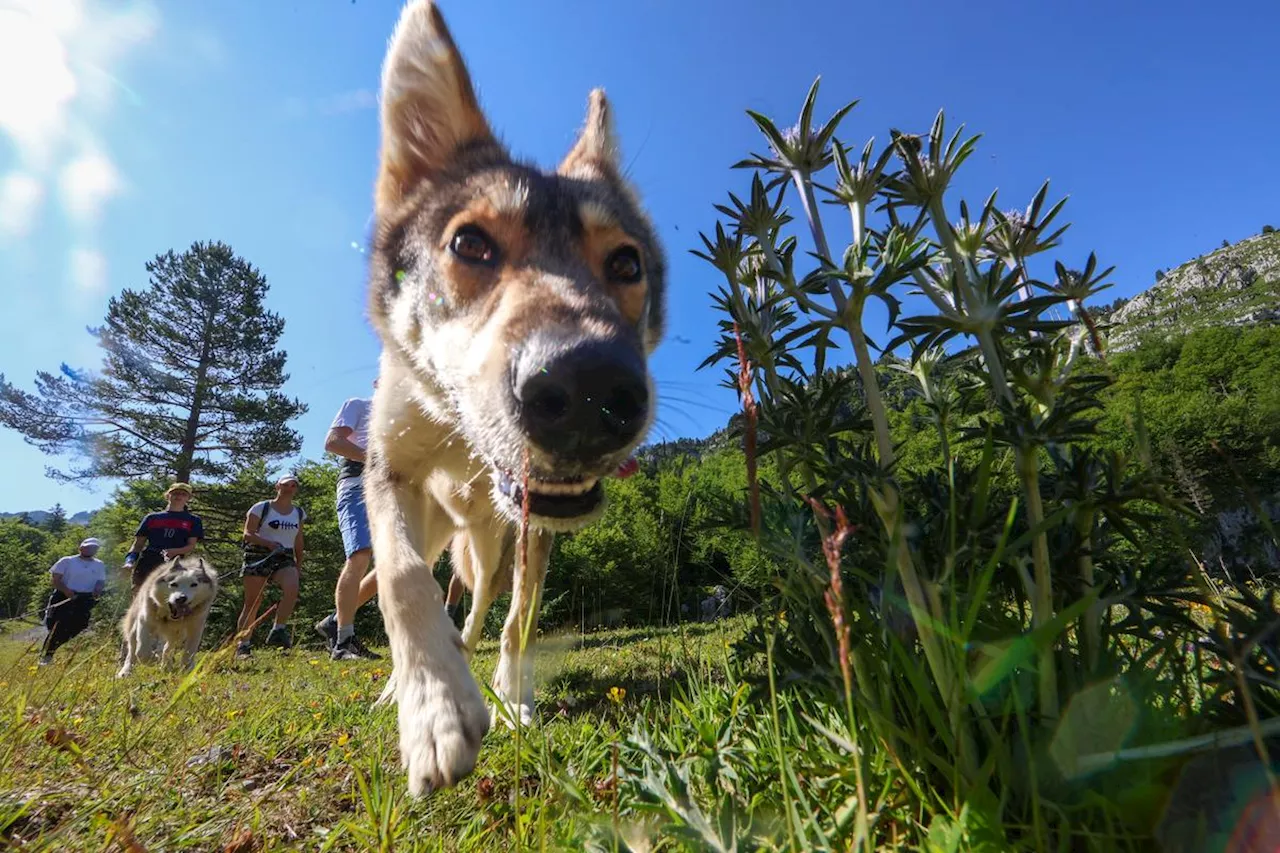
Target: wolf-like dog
(169, 611)
(517, 309)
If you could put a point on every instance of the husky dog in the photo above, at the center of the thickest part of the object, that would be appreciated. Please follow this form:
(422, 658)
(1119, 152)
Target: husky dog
(517, 309)
(169, 611)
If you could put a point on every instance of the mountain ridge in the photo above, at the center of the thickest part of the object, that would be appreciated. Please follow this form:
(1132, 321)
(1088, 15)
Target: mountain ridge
(1235, 285)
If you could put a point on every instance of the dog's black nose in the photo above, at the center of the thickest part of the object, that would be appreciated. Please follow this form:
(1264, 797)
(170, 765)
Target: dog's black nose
(586, 402)
(180, 598)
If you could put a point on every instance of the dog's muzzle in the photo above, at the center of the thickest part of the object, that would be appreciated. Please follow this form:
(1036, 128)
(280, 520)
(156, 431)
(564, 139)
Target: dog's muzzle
(179, 607)
(580, 408)
(585, 403)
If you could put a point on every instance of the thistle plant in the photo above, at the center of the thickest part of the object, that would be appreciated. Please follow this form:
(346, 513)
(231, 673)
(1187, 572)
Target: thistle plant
(973, 603)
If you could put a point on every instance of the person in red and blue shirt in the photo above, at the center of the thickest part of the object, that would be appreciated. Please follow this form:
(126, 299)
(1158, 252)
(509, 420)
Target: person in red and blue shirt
(164, 535)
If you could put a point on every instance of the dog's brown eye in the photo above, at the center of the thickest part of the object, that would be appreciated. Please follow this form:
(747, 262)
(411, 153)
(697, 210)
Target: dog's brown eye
(473, 246)
(623, 266)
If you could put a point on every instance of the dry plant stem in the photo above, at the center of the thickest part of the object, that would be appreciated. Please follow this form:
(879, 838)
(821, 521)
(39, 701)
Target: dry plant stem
(832, 545)
(1042, 597)
(749, 411)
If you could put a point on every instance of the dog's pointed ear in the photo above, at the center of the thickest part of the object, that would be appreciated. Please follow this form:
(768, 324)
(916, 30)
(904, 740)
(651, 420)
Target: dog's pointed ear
(595, 154)
(428, 106)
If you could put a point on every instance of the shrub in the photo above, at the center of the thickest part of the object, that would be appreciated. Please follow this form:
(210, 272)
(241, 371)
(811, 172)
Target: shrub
(989, 622)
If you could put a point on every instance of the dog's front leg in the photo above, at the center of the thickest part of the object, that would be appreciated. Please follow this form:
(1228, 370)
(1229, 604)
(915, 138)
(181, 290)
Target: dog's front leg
(482, 545)
(194, 635)
(441, 710)
(146, 643)
(513, 679)
(130, 652)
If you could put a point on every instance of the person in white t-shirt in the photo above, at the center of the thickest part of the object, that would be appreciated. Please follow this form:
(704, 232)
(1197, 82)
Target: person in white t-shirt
(273, 547)
(78, 583)
(348, 438)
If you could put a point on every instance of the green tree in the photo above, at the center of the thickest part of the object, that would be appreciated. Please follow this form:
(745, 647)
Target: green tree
(20, 548)
(190, 381)
(56, 523)
(1211, 406)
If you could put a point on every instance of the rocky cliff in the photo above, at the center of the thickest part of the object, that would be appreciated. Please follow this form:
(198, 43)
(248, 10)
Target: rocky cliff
(1232, 286)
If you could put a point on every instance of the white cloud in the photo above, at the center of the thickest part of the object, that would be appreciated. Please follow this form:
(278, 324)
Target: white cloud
(87, 183)
(61, 69)
(61, 53)
(88, 270)
(20, 198)
(332, 105)
(38, 83)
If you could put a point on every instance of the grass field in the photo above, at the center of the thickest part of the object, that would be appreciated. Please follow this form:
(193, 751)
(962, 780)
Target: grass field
(284, 751)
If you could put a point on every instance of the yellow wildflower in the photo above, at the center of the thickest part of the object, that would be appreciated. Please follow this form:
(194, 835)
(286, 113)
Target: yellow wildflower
(617, 694)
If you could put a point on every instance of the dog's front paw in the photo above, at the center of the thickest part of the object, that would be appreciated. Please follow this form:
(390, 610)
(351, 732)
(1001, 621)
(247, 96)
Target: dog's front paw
(514, 687)
(512, 714)
(442, 721)
(124, 671)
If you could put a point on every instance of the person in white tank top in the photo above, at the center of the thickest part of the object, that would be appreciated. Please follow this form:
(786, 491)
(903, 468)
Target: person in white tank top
(273, 552)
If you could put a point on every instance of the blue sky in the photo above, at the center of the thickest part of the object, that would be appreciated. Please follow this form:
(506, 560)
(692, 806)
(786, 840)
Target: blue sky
(127, 128)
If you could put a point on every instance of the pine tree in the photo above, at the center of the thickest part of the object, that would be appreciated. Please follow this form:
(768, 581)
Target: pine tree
(56, 523)
(190, 381)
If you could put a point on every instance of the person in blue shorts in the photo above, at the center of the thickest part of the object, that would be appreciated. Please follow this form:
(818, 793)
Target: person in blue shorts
(348, 436)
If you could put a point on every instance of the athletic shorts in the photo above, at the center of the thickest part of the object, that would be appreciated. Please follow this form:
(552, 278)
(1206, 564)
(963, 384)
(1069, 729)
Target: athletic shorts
(353, 518)
(260, 563)
(148, 561)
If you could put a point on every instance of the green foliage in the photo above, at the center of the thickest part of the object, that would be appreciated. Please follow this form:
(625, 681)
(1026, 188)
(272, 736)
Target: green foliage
(56, 523)
(996, 572)
(1211, 404)
(190, 382)
(26, 555)
(283, 751)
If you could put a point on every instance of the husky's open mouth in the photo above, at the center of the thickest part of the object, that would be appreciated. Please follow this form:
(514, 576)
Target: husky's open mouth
(569, 498)
(179, 609)
(566, 498)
